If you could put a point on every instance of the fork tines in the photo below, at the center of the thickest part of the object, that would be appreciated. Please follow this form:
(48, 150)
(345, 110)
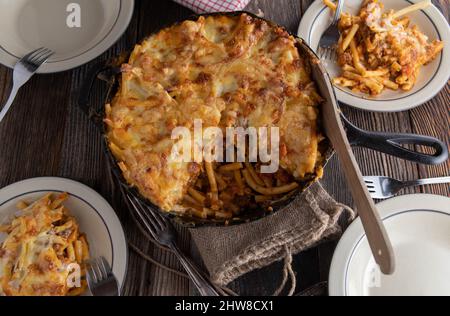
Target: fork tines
(152, 221)
(370, 186)
(100, 278)
(98, 270)
(36, 58)
(327, 53)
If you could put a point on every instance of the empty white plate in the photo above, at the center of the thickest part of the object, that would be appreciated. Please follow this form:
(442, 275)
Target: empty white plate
(77, 31)
(96, 217)
(432, 79)
(419, 229)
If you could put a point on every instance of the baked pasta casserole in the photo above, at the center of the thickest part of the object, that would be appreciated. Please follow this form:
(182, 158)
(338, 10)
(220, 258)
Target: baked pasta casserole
(227, 71)
(42, 241)
(380, 49)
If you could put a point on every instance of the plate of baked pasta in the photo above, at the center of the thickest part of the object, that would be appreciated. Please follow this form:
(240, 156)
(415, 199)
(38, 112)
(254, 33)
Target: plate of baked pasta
(49, 230)
(391, 55)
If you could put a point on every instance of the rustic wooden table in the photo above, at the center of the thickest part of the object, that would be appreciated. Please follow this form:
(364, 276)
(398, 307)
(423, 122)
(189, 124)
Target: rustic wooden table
(45, 134)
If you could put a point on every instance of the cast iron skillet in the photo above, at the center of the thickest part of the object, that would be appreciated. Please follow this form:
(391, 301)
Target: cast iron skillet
(389, 143)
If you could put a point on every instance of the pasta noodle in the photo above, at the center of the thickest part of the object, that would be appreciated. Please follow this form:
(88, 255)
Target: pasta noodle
(254, 175)
(268, 191)
(350, 37)
(231, 167)
(415, 7)
(197, 195)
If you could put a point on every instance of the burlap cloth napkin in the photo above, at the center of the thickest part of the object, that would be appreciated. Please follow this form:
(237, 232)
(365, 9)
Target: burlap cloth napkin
(230, 252)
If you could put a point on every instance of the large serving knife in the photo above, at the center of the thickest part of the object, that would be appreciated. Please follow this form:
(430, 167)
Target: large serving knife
(331, 117)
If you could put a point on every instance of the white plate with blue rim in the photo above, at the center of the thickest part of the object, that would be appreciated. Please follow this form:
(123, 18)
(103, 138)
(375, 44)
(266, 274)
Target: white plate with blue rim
(96, 217)
(433, 77)
(77, 31)
(419, 228)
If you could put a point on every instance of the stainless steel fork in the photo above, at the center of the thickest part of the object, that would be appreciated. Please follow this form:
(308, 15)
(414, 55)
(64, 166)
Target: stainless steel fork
(384, 187)
(23, 71)
(328, 42)
(163, 232)
(100, 278)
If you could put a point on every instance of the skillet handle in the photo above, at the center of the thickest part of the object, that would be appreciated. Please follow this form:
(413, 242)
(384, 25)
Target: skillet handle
(391, 144)
(101, 71)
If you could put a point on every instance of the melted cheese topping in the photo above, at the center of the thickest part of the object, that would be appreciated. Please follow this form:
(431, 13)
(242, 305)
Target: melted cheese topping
(407, 44)
(34, 256)
(226, 71)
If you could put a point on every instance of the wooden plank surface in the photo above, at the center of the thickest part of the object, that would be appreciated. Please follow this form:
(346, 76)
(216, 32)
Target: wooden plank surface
(45, 134)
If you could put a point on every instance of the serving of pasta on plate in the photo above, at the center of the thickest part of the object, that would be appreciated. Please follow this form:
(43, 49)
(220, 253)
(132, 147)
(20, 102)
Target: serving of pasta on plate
(381, 49)
(42, 249)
